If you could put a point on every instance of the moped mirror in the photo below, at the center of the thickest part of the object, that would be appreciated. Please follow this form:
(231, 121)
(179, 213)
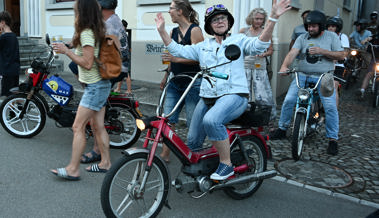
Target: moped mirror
(47, 38)
(232, 52)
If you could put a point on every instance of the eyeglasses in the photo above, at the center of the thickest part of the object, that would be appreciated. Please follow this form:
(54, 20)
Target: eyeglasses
(221, 18)
(214, 7)
(172, 8)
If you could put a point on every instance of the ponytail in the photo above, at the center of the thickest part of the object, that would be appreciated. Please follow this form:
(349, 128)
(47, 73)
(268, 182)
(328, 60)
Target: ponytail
(188, 11)
(193, 17)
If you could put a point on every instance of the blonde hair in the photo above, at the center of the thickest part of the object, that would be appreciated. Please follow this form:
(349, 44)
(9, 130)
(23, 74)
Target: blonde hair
(250, 18)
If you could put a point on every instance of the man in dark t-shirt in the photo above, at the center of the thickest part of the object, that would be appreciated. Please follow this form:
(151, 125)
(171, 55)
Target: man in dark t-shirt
(9, 55)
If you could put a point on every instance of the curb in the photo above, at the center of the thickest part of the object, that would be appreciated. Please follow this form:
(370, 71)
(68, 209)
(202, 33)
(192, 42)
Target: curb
(326, 192)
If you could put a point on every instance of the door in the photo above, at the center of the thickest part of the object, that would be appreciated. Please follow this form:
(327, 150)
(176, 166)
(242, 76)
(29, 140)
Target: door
(13, 7)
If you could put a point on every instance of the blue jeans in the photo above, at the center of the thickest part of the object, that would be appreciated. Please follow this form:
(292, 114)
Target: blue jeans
(210, 121)
(174, 92)
(329, 103)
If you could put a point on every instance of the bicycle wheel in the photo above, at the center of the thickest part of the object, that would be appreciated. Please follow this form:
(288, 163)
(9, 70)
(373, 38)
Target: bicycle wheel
(120, 195)
(257, 155)
(298, 136)
(121, 125)
(30, 125)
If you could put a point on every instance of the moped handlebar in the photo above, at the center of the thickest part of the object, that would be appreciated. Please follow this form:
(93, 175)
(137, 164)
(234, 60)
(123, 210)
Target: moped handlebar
(219, 75)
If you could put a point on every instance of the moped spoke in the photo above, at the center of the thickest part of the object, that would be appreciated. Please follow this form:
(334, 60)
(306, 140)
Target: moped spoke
(34, 118)
(126, 206)
(120, 183)
(14, 109)
(24, 124)
(153, 186)
(14, 120)
(124, 137)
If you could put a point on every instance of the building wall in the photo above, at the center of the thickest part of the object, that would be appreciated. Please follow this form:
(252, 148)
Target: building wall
(57, 19)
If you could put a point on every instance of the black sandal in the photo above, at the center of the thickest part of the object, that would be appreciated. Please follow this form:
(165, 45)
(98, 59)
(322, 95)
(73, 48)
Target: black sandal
(95, 157)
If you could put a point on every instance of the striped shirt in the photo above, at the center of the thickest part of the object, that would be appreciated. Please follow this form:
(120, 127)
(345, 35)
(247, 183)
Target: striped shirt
(87, 38)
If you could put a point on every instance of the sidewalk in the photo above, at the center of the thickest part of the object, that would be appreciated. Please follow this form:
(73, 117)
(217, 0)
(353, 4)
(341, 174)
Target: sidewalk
(352, 174)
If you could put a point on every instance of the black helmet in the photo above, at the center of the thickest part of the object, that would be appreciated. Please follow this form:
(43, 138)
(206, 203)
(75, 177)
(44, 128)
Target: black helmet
(374, 15)
(315, 17)
(108, 4)
(362, 22)
(213, 11)
(336, 21)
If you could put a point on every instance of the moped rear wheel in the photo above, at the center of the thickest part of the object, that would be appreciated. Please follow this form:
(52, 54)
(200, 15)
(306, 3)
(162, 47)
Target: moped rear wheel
(121, 126)
(257, 155)
(120, 195)
(32, 122)
(298, 136)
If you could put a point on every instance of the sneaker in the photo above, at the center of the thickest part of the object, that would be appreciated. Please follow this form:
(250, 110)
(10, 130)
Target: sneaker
(277, 134)
(332, 148)
(223, 172)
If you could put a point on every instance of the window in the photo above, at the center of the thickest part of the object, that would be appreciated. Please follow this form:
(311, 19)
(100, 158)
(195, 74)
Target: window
(59, 4)
(160, 2)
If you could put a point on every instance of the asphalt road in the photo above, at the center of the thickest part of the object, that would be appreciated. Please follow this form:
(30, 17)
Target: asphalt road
(28, 189)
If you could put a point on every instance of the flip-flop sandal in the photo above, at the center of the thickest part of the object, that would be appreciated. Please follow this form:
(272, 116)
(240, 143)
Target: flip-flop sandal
(96, 169)
(62, 173)
(94, 157)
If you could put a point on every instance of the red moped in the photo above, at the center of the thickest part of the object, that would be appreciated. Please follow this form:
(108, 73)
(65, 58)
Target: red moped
(137, 184)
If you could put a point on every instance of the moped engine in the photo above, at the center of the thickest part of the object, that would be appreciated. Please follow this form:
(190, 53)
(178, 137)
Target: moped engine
(188, 184)
(64, 116)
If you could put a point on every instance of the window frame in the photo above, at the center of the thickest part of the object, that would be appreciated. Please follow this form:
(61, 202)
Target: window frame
(161, 2)
(59, 5)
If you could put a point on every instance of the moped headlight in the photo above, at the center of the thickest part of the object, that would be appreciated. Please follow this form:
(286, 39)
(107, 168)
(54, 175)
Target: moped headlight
(377, 67)
(354, 52)
(140, 124)
(28, 71)
(303, 94)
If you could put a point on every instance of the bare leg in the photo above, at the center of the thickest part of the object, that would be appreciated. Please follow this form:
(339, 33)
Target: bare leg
(366, 80)
(118, 87)
(223, 148)
(95, 146)
(129, 84)
(83, 115)
(102, 139)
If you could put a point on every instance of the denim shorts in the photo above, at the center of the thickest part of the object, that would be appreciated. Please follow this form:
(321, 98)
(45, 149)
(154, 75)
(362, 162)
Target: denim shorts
(95, 95)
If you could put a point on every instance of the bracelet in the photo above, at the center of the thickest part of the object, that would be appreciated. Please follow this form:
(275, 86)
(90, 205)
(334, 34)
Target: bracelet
(273, 19)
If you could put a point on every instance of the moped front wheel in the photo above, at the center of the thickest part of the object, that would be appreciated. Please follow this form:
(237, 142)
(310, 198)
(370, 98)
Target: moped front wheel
(121, 127)
(298, 136)
(258, 157)
(121, 193)
(32, 122)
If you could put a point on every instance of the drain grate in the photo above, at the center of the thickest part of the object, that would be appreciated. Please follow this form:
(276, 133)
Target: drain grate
(314, 173)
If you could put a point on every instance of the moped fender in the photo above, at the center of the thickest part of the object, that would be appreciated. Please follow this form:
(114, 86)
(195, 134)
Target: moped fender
(301, 110)
(131, 151)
